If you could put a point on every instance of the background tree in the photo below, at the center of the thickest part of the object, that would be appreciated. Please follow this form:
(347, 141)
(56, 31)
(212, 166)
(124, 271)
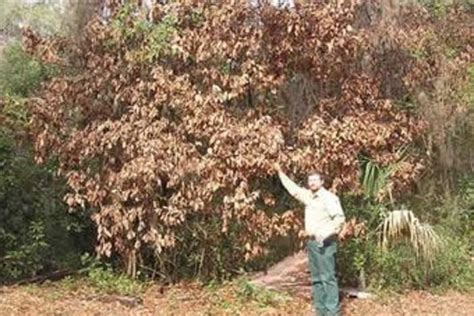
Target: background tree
(171, 125)
(37, 234)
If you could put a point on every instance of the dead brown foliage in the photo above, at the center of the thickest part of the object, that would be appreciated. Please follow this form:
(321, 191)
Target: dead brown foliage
(159, 126)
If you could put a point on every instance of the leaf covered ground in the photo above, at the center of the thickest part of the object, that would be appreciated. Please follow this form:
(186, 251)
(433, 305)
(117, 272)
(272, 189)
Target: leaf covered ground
(72, 297)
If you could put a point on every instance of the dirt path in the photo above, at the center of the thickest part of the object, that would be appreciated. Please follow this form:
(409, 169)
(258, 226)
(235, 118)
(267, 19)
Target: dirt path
(291, 273)
(230, 299)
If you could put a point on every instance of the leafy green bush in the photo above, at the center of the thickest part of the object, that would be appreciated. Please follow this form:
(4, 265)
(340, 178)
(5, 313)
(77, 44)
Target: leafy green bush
(20, 73)
(453, 267)
(102, 277)
(362, 262)
(247, 292)
(37, 234)
(400, 269)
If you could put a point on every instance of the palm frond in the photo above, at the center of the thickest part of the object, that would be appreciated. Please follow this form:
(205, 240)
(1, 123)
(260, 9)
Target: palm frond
(403, 224)
(376, 179)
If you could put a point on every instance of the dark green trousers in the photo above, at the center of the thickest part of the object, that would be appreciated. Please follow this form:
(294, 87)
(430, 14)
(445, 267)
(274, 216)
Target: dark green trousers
(322, 264)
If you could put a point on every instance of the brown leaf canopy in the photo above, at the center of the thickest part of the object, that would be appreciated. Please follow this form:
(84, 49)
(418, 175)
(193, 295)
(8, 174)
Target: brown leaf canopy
(158, 123)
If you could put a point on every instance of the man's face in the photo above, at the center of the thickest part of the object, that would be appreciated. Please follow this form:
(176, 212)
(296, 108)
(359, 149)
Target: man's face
(315, 182)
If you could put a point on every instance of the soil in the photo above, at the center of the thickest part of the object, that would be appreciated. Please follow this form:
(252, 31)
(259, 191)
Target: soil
(195, 299)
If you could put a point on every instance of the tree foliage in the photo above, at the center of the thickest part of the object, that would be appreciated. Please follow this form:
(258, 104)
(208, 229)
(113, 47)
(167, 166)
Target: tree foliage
(37, 235)
(171, 127)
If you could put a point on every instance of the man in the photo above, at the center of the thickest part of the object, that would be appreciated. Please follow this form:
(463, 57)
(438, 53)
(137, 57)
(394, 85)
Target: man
(324, 219)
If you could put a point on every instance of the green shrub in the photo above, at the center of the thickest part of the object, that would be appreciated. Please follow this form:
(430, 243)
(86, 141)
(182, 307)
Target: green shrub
(400, 269)
(37, 234)
(20, 73)
(362, 262)
(247, 292)
(453, 267)
(102, 277)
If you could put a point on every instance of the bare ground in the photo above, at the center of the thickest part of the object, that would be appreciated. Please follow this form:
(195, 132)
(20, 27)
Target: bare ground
(194, 299)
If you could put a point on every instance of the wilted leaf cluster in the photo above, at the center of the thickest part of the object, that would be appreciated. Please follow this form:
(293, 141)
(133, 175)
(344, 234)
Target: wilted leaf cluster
(161, 125)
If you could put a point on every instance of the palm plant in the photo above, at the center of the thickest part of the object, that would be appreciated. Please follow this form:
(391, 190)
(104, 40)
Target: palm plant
(375, 178)
(404, 225)
(398, 224)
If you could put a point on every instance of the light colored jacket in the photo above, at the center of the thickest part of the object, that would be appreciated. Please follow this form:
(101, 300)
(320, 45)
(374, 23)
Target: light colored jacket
(323, 214)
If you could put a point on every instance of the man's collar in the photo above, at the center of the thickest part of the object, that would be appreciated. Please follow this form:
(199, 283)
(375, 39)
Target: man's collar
(319, 192)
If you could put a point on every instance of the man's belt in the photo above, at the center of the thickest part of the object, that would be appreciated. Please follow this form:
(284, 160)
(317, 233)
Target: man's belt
(327, 241)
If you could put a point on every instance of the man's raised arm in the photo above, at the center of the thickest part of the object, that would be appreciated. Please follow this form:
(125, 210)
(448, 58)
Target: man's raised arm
(301, 194)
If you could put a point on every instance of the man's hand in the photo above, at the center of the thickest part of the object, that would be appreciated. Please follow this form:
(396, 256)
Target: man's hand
(277, 167)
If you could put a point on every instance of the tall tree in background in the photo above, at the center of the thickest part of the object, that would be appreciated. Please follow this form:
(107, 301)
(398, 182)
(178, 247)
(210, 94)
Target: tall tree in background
(169, 129)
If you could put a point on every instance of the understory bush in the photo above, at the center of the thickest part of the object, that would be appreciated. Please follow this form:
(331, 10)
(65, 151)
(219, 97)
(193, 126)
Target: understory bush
(19, 72)
(37, 233)
(363, 263)
(399, 269)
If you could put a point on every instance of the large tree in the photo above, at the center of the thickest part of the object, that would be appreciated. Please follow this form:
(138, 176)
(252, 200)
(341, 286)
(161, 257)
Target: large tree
(159, 126)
